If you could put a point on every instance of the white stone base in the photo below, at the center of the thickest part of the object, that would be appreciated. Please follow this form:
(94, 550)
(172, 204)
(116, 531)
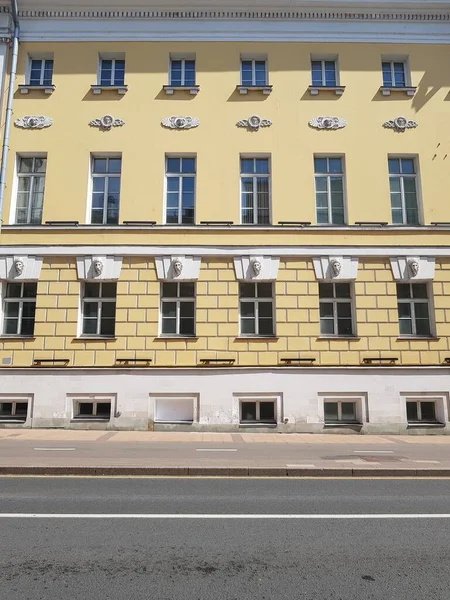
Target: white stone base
(153, 398)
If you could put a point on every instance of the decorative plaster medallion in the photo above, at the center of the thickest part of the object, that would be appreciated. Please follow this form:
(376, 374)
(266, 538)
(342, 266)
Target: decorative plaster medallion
(400, 124)
(19, 265)
(177, 265)
(253, 123)
(97, 264)
(106, 122)
(335, 267)
(256, 266)
(327, 122)
(33, 122)
(180, 122)
(413, 266)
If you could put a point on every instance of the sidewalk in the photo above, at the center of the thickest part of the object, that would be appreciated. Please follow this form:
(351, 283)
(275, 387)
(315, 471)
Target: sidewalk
(68, 452)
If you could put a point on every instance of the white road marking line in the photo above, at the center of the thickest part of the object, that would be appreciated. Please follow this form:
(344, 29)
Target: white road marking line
(55, 449)
(298, 466)
(373, 451)
(216, 450)
(433, 462)
(222, 516)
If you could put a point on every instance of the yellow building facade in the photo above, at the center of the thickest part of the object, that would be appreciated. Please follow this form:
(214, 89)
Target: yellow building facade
(222, 219)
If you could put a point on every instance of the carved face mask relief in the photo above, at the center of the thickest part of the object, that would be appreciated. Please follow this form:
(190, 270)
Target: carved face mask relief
(98, 266)
(177, 266)
(335, 267)
(256, 266)
(19, 266)
(413, 266)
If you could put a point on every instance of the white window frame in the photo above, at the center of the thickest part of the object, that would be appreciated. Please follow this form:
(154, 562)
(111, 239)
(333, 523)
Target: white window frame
(21, 300)
(256, 300)
(15, 185)
(335, 300)
(74, 400)
(360, 399)
(183, 58)
(16, 399)
(322, 59)
(328, 177)
(156, 398)
(441, 407)
(339, 411)
(178, 300)
(401, 176)
(397, 59)
(180, 191)
(91, 186)
(275, 397)
(113, 57)
(99, 302)
(254, 192)
(43, 56)
(412, 302)
(254, 59)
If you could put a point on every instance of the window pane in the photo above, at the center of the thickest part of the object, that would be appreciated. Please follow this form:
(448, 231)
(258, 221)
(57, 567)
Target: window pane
(330, 73)
(247, 165)
(247, 309)
(419, 290)
(247, 326)
(175, 72)
(86, 408)
(186, 309)
(348, 411)
(91, 290)
(345, 327)
(423, 327)
(325, 290)
(421, 310)
(331, 411)
(399, 74)
(387, 74)
(248, 411)
(326, 309)
(188, 165)
(411, 411)
(246, 72)
(187, 290)
(320, 165)
(29, 290)
(394, 166)
(404, 310)
(187, 326)
(173, 165)
(109, 290)
(247, 290)
(27, 326)
(169, 326)
(265, 326)
(403, 290)
(89, 326)
(170, 290)
(21, 409)
(407, 166)
(107, 327)
(316, 72)
(342, 290)
(14, 290)
(108, 310)
(335, 165)
(261, 167)
(169, 310)
(327, 327)
(260, 72)
(405, 326)
(428, 412)
(189, 72)
(267, 411)
(264, 290)
(103, 409)
(344, 310)
(6, 409)
(265, 309)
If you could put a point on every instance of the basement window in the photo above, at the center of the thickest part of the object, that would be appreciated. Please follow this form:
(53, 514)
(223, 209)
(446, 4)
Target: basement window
(340, 412)
(420, 411)
(92, 409)
(258, 411)
(14, 411)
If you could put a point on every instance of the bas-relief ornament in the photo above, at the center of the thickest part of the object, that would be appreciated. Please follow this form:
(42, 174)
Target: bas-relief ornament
(253, 123)
(106, 122)
(335, 267)
(256, 266)
(22, 268)
(97, 265)
(177, 266)
(92, 268)
(413, 266)
(327, 123)
(260, 268)
(400, 124)
(343, 268)
(19, 265)
(180, 122)
(33, 122)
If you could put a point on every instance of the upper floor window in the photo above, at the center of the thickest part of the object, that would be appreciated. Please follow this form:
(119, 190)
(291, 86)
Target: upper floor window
(324, 73)
(182, 72)
(253, 72)
(413, 309)
(403, 189)
(99, 309)
(256, 309)
(180, 190)
(105, 190)
(336, 313)
(329, 182)
(394, 73)
(41, 71)
(178, 308)
(19, 308)
(112, 71)
(30, 189)
(255, 191)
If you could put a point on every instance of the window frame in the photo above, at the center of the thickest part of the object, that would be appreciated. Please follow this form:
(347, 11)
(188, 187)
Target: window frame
(419, 419)
(340, 420)
(16, 185)
(99, 300)
(13, 416)
(335, 301)
(180, 177)
(411, 301)
(257, 300)
(43, 58)
(94, 401)
(113, 58)
(323, 60)
(328, 176)
(106, 156)
(20, 300)
(254, 192)
(404, 60)
(258, 420)
(178, 300)
(182, 58)
(416, 177)
(254, 60)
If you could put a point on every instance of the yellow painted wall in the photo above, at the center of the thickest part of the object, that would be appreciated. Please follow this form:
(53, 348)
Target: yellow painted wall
(217, 142)
(296, 316)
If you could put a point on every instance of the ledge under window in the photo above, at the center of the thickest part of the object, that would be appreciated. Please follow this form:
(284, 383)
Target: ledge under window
(192, 89)
(176, 337)
(337, 338)
(258, 338)
(433, 425)
(93, 338)
(314, 90)
(120, 89)
(386, 91)
(245, 89)
(47, 89)
(417, 338)
(26, 338)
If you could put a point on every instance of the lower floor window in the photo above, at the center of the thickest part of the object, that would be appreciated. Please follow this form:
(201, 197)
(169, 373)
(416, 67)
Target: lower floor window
(92, 409)
(14, 410)
(258, 411)
(419, 411)
(174, 409)
(340, 412)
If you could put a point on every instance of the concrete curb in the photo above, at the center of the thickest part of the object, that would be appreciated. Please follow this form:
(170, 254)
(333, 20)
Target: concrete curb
(222, 472)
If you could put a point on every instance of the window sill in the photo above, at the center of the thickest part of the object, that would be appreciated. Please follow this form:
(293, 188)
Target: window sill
(314, 90)
(245, 89)
(26, 338)
(98, 89)
(170, 422)
(47, 89)
(12, 420)
(417, 338)
(252, 338)
(90, 419)
(92, 338)
(344, 424)
(258, 424)
(192, 89)
(176, 337)
(351, 338)
(435, 425)
(408, 90)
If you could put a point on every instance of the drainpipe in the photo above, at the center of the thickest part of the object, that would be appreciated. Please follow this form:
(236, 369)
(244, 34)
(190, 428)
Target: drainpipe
(8, 116)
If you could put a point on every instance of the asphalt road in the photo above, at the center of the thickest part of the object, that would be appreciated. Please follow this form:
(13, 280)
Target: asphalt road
(199, 545)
